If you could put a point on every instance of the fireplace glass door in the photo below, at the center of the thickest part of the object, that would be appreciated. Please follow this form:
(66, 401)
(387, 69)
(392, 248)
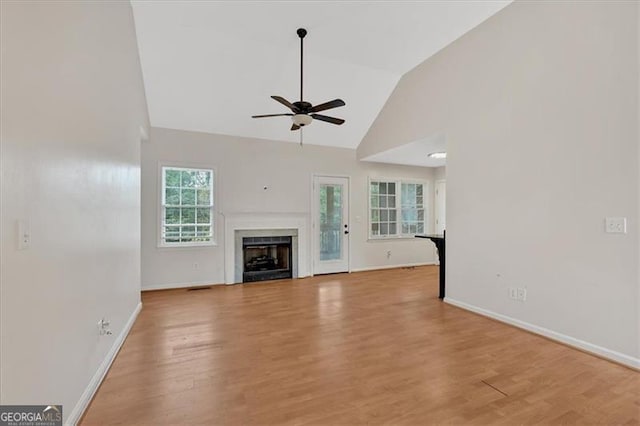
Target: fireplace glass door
(266, 258)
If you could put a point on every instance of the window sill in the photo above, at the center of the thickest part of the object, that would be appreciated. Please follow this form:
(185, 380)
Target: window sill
(187, 245)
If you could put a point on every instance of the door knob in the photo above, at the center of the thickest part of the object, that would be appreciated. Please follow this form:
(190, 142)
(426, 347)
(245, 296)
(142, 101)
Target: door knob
(346, 232)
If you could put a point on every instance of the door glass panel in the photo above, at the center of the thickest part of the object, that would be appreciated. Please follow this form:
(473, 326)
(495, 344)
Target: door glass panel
(330, 222)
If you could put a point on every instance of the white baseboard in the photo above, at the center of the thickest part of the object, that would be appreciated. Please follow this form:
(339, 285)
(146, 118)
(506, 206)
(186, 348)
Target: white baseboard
(401, 265)
(170, 286)
(553, 335)
(97, 378)
(175, 286)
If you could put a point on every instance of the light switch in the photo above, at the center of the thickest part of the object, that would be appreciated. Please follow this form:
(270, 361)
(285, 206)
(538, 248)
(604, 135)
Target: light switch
(24, 235)
(616, 225)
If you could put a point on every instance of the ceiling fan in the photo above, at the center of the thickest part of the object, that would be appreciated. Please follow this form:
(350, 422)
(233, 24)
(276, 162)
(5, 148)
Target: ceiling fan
(303, 113)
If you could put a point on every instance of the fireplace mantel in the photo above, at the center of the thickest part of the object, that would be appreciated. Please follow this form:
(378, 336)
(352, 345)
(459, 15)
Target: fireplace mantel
(262, 221)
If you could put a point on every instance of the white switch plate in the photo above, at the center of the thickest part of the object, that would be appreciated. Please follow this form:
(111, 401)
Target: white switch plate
(616, 225)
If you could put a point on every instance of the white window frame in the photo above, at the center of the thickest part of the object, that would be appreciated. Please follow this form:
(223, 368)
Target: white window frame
(162, 205)
(398, 182)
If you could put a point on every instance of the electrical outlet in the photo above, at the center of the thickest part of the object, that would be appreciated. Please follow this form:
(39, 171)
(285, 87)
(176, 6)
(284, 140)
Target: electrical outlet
(522, 294)
(388, 254)
(517, 293)
(616, 225)
(24, 235)
(103, 327)
(196, 265)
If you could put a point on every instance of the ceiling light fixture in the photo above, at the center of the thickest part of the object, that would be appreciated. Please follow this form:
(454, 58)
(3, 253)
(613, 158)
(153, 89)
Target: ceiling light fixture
(301, 120)
(438, 155)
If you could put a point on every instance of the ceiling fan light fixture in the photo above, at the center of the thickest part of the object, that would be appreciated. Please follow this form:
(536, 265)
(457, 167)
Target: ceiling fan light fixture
(438, 155)
(302, 120)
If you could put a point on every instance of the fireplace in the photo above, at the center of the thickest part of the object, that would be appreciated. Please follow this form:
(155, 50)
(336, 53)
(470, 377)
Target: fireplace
(254, 243)
(266, 258)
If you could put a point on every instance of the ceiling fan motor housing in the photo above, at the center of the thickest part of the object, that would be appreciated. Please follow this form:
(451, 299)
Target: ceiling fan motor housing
(302, 107)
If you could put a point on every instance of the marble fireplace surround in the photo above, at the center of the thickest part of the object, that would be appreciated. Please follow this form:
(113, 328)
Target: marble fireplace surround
(241, 225)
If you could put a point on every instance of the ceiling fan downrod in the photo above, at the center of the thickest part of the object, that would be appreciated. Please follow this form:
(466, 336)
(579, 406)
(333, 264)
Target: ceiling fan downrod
(301, 33)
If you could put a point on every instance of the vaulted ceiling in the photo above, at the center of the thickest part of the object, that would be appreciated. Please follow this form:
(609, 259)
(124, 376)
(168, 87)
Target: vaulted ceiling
(208, 66)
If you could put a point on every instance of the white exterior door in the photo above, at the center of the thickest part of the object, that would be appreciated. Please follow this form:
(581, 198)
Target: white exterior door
(440, 206)
(331, 224)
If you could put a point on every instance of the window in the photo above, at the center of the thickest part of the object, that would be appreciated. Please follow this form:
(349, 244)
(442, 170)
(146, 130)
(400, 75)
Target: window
(396, 208)
(412, 208)
(187, 206)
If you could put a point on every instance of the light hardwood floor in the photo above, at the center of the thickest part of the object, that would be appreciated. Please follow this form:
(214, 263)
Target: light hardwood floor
(364, 348)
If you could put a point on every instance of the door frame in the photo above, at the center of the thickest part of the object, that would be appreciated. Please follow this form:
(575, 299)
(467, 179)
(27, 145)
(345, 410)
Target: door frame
(436, 214)
(314, 216)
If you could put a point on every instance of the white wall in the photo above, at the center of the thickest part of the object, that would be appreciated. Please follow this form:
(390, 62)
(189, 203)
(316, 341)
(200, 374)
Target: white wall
(540, 107)
(244, 166)
(638, 153)
(72, 107)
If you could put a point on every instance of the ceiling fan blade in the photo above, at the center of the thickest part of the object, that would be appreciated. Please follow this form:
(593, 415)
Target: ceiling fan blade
(328, 119)
(328, 105)
(271, 115)
(294, 127)
(284, 102)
